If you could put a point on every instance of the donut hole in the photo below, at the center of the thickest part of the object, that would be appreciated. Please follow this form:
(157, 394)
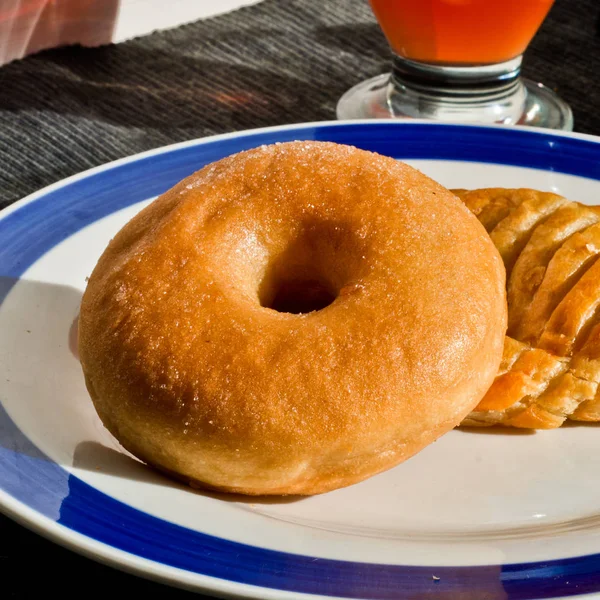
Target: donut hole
(307, 273)
(298, 294)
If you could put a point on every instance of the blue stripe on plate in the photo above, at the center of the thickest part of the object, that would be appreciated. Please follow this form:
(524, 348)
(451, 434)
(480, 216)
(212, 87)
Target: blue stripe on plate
(95, 514)
(35, 228)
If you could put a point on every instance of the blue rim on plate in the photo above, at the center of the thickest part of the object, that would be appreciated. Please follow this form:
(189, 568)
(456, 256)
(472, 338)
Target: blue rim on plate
(37, 484)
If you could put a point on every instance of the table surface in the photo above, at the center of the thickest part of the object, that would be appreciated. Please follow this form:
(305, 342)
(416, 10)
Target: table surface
(65, 110)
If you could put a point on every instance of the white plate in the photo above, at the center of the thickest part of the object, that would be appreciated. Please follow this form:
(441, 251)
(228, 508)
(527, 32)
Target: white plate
(475, 515)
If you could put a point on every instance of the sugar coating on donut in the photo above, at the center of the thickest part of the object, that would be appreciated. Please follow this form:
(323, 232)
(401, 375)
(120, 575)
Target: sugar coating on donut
(292, 319)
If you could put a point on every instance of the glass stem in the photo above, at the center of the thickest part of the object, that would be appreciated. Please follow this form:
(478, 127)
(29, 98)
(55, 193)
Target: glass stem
(492, 93)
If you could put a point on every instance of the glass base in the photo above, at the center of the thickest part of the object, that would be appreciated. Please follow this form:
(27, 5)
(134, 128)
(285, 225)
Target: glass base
(532, 104)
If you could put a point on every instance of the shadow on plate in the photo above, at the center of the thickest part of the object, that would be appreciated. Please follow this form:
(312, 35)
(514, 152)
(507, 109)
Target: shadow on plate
(93, 456)
(496, 430)
(49, 306)
(570, 424)
(516, 431)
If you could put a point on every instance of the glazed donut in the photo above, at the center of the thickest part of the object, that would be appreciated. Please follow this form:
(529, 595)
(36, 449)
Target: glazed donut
(292, 319)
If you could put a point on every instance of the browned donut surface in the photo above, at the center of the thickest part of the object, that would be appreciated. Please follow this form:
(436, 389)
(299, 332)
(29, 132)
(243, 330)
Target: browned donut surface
(292, 319)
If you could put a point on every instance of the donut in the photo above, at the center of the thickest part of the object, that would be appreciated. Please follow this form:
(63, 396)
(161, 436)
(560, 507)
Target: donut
(292, 319)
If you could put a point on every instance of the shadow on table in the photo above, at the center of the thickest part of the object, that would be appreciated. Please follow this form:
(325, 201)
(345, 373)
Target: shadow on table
(113, 85)
(113, 101)
(364, 39)
(135, 85)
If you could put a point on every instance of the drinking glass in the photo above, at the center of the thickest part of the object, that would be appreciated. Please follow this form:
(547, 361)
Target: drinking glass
(460, 61)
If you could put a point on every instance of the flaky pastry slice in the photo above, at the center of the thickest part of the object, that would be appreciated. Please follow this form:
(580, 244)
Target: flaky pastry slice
(512, 233)
(530, 267)
(492, 205)
(550, 370)
(573, 316)
(569, 263)
(525, 374)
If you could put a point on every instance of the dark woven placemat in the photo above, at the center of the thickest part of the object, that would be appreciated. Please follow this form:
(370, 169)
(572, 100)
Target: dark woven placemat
(281, 61)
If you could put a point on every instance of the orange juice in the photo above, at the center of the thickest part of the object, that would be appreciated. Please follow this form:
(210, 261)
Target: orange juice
(460, 31)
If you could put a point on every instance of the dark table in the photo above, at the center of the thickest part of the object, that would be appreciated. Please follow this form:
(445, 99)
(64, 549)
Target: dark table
(281, 61)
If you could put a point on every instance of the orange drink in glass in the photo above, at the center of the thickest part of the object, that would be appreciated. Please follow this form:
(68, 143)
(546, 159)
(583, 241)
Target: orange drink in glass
(458, 60)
